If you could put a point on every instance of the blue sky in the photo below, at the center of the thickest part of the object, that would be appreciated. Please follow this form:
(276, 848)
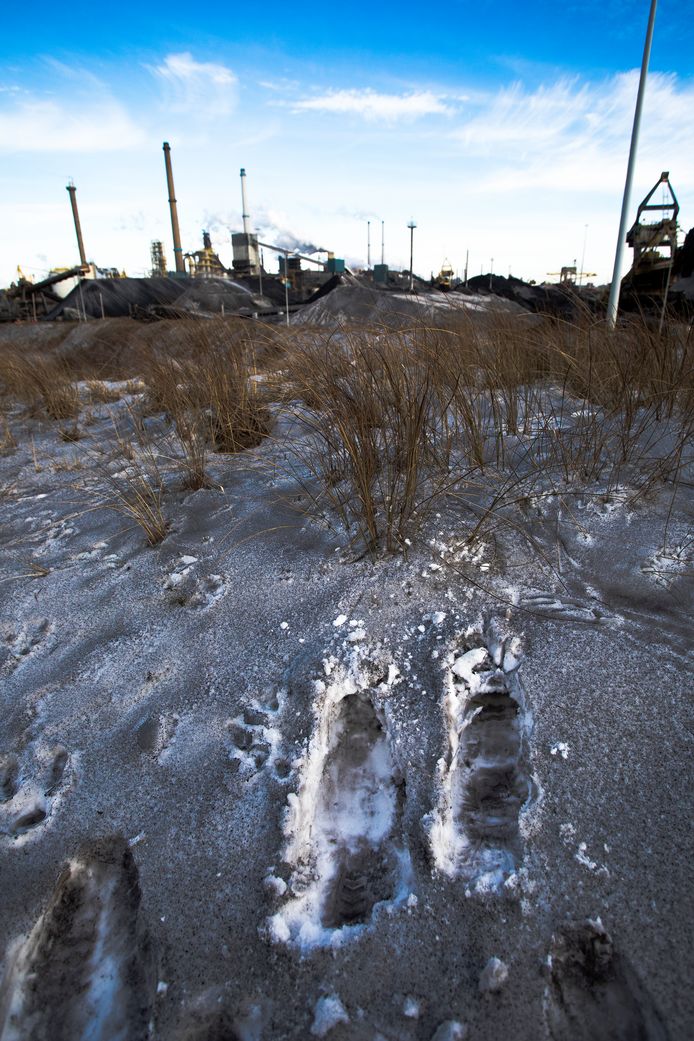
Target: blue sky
(502, 129)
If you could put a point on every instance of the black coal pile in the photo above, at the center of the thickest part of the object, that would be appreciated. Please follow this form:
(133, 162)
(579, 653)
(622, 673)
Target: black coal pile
(562, 301)
(348, 300)
(116, 297)
(216, 296)
(682, 288)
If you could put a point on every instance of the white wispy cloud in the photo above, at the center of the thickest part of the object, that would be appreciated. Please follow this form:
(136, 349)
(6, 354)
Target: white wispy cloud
(46, 125)
(371, 105)
(516, 171)
(569, 135)
(205, 88)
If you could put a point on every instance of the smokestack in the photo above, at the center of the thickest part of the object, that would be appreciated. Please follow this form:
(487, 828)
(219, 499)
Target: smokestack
(76, 217)
(178, 252)
(244, 205)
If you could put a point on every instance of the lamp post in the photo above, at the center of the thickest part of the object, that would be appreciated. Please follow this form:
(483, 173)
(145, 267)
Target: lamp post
(411, 226)
(613, 303)
(583, 255)
(286, 285)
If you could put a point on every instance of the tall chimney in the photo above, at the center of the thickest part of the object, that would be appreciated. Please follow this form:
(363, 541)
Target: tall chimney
(178, 252)
(244, 205)
(76, 217)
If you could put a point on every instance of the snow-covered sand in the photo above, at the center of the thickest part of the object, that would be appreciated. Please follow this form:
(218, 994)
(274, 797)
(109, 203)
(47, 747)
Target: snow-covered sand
(295, 794)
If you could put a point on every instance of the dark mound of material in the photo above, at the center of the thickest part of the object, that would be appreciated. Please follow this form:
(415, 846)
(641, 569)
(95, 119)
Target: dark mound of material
(216, 295)
(683, 266)
(564, 302)
(273, 289)
(9, 308)
(327, 287)
(353, 302)
(120, 296)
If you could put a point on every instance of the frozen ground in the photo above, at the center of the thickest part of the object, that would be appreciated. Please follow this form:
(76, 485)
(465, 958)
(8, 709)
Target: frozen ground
(254, 788)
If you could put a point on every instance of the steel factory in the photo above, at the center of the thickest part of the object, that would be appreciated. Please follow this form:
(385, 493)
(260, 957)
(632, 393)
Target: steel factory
(198, 282)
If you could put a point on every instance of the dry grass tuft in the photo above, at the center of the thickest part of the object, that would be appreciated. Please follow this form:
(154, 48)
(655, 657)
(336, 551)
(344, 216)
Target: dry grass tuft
(132, 483)
(208, 392)
(478, 414)
(8, 442)
(42, 383)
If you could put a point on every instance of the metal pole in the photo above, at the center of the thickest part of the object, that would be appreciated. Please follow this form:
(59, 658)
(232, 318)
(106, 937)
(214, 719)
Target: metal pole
(286, 286)
(491, 273)
(411, 226)
(613, 303)
(467, 257)
(383, 242)
(368, 245)
(583, 256)
(260, 274)
(667, 290)
(244, 205)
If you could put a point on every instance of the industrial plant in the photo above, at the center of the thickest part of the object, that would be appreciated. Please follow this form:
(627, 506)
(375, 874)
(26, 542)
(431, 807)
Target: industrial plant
(271, 281)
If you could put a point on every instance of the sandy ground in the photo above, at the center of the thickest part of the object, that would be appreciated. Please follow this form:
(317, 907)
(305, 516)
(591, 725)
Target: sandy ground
(255, 788)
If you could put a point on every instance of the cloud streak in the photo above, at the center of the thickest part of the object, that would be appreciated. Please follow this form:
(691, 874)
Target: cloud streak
(39, 125)
(374, 106)
(205, 88)
(574, 136)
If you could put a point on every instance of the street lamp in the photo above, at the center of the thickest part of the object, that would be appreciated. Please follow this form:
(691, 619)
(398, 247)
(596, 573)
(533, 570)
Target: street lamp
(411, 226)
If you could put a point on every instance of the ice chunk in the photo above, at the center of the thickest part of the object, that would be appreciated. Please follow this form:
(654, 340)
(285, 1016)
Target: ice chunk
(275, 885)
(451, 1030)
(327, 1013)
(464, 666)
(277, 928)
(411, 1007)
(494, 975)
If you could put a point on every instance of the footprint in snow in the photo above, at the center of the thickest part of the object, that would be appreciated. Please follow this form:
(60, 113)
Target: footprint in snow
(155, 734)
(18, 645)
(31, 783)
(345, 848)
(484, 779)
(564, 609)
(86, 968)
(189, 590)
(253, 737)
(593, 993)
